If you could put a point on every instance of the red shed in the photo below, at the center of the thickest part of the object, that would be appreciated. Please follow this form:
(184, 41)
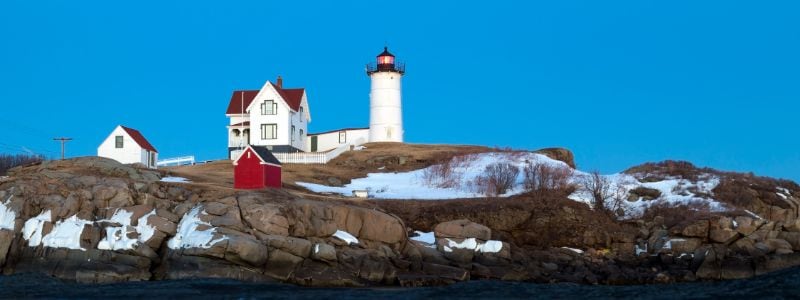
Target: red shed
(256, 168)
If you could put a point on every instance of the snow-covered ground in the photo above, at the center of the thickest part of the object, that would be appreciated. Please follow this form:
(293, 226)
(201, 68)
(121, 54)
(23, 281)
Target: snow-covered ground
(175, 179)
(7, 216)
(413, 184)
(188, 235)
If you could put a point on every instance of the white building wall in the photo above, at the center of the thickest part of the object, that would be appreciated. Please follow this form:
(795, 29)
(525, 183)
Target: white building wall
(330, 140)
(130, 152)
(144, 158)
(281, 118)
(300, 122)
(385, 114)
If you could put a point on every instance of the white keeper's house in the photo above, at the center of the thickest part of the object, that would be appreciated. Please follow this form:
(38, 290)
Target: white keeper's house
(128, 146)
(277, 118)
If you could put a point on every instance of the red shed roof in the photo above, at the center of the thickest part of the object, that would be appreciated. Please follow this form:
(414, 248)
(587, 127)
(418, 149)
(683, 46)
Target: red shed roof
(239, 99)
(139, 138)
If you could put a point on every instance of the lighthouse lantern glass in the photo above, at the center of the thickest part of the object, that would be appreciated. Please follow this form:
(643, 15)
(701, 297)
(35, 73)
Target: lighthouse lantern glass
(385, 60)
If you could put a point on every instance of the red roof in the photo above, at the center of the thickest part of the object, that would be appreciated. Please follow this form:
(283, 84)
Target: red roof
(292, 97)
(238, 101)
(139, 138)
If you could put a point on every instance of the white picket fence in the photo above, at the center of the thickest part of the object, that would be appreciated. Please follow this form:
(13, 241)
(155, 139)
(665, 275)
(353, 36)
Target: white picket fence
(310, 157)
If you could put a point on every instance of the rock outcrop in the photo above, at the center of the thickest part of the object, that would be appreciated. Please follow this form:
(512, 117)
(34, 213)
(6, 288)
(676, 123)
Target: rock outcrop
(94, 220)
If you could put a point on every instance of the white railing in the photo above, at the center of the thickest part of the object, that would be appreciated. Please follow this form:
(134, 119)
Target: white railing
(176, 161)
(310, 157)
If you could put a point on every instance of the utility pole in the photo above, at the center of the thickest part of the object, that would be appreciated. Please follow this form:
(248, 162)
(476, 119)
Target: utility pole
(63, 141)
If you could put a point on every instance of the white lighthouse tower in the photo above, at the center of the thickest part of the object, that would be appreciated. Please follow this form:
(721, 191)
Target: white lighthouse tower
(385, 105)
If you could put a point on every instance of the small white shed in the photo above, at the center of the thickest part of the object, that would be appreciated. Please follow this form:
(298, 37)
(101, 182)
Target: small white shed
(128, 146)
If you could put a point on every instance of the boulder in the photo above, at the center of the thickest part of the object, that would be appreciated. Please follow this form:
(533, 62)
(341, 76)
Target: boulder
(244, 249)
(324, 252)
(723, 236)
(281, 264)
(793, 226)
(462, 229)
(746, 225)
(684, 245)
(6, 237)
(644, 193)
(295, 246)
(266, 218)
(697, 229)
(310, 219)
(793, 238)
(458, 250)
(747, 246)
(780, 246)
(163, 225)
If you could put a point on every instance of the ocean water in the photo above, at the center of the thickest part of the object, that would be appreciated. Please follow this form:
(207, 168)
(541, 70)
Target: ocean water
(779, 285)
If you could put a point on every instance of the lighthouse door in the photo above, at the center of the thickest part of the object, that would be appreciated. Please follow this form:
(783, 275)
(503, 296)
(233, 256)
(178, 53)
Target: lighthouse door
(314, 143)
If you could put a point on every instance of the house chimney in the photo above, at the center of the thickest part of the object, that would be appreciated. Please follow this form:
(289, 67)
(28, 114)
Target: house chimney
(279, 82)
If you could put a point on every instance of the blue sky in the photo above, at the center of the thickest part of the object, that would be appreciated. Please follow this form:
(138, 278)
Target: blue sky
(617, 82)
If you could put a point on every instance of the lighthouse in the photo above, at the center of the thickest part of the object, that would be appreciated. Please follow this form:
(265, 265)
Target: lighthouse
(385, 99)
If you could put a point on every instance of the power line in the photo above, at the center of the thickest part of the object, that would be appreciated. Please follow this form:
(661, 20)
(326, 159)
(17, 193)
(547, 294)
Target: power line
(63, 141)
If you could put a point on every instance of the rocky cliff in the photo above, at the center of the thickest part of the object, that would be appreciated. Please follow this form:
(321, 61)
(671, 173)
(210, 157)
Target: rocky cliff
(94, 220)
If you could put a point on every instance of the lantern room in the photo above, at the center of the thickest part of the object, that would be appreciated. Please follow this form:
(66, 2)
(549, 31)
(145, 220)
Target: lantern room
(385, 58)
(385, 63)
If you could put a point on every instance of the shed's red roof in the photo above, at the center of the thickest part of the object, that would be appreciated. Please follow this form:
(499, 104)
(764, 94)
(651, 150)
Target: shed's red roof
(139, 138)
(239, 99)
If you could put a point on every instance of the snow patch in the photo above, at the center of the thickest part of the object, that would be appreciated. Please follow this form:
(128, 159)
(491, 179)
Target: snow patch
(66, 233)
(579, 251)
(117, 237)
(7, 216)
(674, 191)
(785, 191)
(639, 250)
(469, 243)
(424, 237)
(411, 185)
(754, 215)
(175, 179)
(782, 196)
(188, 236)
(359, 148)
(316, 248)
(491, 246)
(32, 231)
(345, 236)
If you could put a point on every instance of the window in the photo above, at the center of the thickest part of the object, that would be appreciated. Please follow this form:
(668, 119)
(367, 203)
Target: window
(292, 133)
(269, 107)
(269, 131)
(342, 137)
(301, 116)
(301, 133)
(152, 159)
(118, 141)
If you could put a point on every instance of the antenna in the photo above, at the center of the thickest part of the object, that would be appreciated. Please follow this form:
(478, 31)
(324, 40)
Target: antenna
(63, 141)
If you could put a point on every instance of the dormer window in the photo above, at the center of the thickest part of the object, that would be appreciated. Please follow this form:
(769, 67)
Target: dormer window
(269, 107)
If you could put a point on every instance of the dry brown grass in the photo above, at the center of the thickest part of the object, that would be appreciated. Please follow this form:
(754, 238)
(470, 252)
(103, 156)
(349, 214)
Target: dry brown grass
(377, 157)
